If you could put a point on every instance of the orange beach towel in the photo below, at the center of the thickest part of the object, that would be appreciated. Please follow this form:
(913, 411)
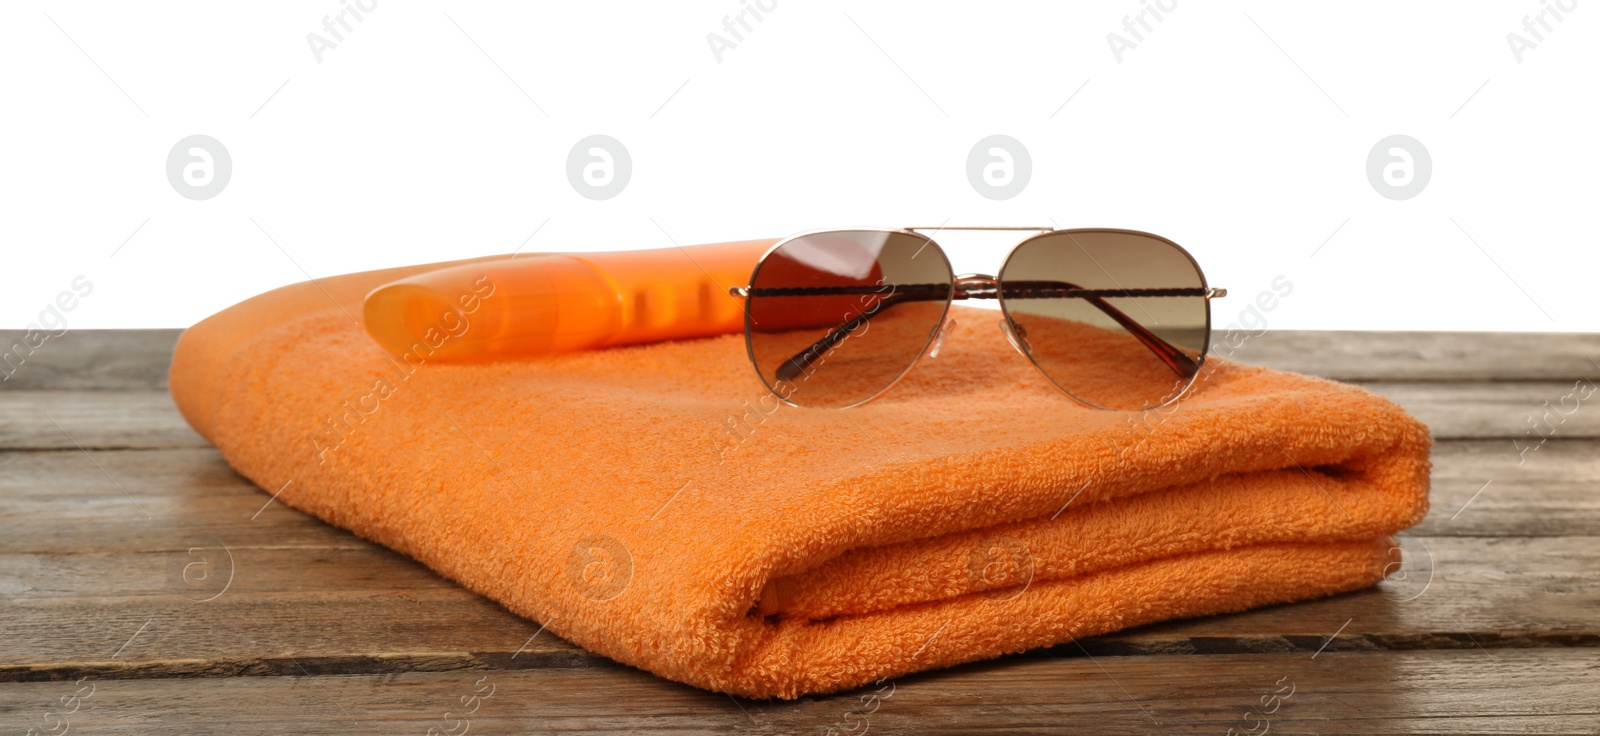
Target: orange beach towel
(655, 505)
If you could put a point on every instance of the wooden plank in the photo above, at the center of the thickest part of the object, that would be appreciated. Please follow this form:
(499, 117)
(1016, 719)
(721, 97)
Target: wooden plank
(253, 610)
(108, 536)
(248, 608)
(199, 616)
(70, 502)
(1427, 356)
(1470, 690)
(79, 533)
(138, 359)
(1497, 488)
(205, 570)
(97, 547)
(1528, 411)
(372, 627)
(1454, 592)
(56, 420)
(90, 360)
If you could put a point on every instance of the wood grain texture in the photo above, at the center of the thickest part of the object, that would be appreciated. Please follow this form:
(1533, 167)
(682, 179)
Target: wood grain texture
(1528, 412)
(70, 502)
(232, 582)
(90, 360)
(194, 604)
(1427, 356)
(98, 360)
(1490, 488)
(1455, 691)
(55, 420)
(252, 608)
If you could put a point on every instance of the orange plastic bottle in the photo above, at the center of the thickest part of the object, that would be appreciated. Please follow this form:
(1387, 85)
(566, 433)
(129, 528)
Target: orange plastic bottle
(540, 304)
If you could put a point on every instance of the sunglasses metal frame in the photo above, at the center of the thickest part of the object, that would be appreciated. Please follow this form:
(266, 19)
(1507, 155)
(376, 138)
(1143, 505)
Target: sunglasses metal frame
(968, 286)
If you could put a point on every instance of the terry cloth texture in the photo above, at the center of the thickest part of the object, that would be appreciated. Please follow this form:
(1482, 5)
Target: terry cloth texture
(656, 505)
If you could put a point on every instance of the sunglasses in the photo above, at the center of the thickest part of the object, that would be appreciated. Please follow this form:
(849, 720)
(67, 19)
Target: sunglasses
(1116, 319)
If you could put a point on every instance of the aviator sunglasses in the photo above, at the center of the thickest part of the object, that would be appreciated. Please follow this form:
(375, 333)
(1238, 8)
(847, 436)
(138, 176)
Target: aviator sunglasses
(1116, 319)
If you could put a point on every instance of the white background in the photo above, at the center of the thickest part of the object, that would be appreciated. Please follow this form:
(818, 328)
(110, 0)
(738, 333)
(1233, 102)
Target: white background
(1239, 130)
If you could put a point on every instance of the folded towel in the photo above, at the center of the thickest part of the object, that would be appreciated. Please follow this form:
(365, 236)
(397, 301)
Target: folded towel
(655, 504)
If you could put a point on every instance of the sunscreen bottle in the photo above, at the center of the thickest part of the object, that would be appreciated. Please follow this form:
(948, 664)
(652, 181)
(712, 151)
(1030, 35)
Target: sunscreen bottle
(542, 304)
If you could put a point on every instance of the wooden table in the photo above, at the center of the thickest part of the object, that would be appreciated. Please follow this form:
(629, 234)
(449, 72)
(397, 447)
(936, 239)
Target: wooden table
(146, 588)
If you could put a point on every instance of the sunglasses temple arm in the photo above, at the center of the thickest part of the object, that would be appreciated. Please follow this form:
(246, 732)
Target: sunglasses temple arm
(802, 360)
(1176, 359)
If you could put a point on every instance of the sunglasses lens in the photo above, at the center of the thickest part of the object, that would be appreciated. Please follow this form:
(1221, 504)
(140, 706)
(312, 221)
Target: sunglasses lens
(837, 317)
(1117, 319)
